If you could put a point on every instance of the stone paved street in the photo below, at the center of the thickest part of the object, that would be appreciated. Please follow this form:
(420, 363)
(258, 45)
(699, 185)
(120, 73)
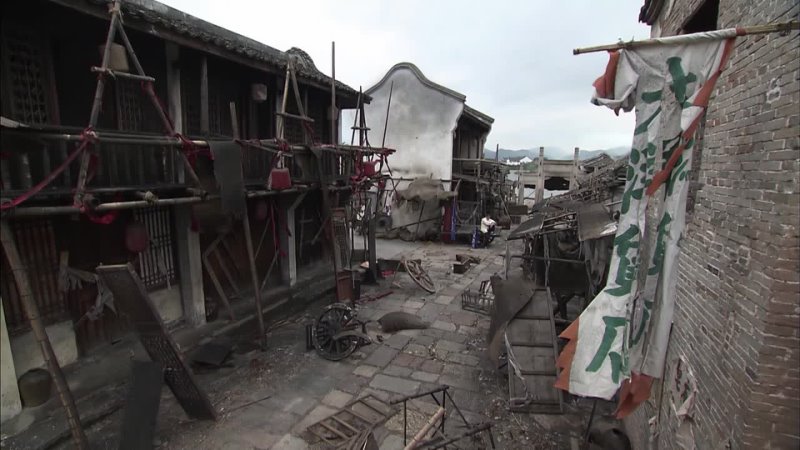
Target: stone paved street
(267, 399)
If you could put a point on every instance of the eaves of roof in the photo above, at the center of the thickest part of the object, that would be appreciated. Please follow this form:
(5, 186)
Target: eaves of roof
(157, 18)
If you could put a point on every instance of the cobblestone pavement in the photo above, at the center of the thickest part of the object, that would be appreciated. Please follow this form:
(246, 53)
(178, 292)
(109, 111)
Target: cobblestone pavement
(267, 399)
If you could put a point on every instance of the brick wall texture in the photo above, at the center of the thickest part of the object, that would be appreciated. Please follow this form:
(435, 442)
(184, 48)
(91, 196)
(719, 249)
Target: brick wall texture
(737, 318)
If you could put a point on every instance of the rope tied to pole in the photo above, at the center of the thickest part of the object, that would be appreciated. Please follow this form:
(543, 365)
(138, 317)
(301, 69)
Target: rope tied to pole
(88, 136)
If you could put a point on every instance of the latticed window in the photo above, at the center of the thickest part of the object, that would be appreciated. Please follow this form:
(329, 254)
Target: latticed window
(156, 265)
(26, 76)
(39, 256)
(129, 105)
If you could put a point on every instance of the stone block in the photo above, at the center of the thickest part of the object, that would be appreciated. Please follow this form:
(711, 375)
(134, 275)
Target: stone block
(450, 346)
(394, 384)
(431, 366)
(460, 358)
(444, 326)
(407, 360)
(337, 399)
(425, 376)
(365, 371)
(317, 414)
(289, 442)
(459, 382)
(397, 371)
(413, 304)
(416, 350)
(397, 341)
(381, 357)
(444, 299)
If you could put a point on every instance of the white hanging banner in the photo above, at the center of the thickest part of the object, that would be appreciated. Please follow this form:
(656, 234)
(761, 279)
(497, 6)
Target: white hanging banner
(626, 327)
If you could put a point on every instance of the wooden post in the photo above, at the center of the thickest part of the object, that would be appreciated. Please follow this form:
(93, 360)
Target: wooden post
(204, 112)
(521, 185)
(540, 181)
(573, 180)
(386, 119)
(248, 238)
(334, 113)
(497, 153)
(32, 312)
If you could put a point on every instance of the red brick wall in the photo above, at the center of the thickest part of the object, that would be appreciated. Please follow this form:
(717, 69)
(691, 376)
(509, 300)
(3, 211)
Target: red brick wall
(737, 318)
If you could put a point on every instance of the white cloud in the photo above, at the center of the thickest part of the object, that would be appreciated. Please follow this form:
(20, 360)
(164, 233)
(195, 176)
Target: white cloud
(512, 59)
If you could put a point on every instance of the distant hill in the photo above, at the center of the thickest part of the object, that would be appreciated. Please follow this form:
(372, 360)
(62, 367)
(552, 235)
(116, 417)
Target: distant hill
(554, 153)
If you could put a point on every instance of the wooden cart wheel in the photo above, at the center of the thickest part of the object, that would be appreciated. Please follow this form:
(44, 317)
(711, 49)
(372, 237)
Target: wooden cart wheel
(334, 319)
(418, 274)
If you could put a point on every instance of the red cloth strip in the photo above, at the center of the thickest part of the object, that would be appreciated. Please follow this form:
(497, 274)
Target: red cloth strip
(47, 180)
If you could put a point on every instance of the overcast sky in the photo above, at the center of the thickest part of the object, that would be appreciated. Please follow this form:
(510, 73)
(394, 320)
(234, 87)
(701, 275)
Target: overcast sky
(512, 59)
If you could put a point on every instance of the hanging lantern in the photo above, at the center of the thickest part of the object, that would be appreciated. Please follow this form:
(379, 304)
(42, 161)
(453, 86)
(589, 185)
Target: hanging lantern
(137, 238)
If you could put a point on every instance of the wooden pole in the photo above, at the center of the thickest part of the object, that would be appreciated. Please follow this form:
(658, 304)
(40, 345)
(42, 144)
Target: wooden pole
(205, 126)
(386, 120)
(262, 335)
(334, 113)
(540, 181)
(573, 180)
(419, 219)
(694, 37)
(426, 429)
(521, 185)
(497, 153)
(97, 103)
(32, 312)
(355, 118)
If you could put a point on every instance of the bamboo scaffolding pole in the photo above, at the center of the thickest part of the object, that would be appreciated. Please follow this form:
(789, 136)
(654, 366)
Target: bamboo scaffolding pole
(355, 119)
(784, 27)
(426, 429)
(248, 238)
(386, 120)
(334, 112)
(58, 133)
(97, 102)
(32, 211)
(32, 312)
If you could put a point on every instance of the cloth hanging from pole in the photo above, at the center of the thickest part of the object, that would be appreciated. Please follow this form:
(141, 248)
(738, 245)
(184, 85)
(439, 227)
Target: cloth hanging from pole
(228, 173)
(623, 334)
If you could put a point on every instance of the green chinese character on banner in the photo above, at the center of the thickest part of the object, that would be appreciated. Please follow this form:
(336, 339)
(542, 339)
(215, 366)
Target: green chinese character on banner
(680, 81)
(648, 306)
(670, 145)
(642, 127)
(679, 173)
(661, 243)
(609, 336)
(626, 271)
(650, 152)
(631, 192)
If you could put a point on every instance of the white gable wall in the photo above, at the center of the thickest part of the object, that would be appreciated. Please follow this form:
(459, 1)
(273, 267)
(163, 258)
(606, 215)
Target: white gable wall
(421, 125)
